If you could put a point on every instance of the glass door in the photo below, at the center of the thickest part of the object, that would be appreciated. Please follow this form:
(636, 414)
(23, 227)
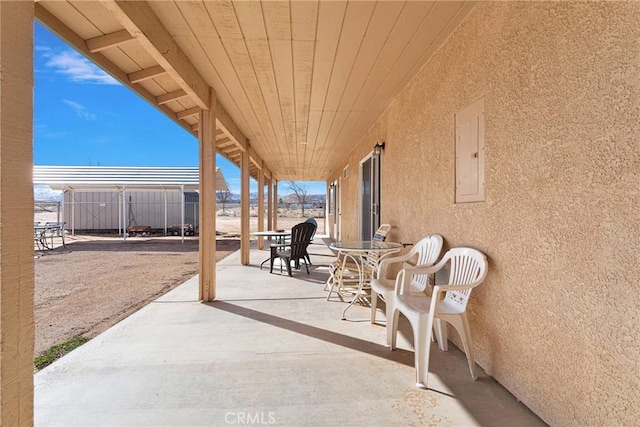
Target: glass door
(369, 196)
(334, 210)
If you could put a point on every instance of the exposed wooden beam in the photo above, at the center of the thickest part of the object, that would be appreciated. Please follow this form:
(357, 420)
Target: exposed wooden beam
(226, 122)
(233, 151)
(141, 22)
(181, 115)
(138, 18)
(171, 96)
(107, 41)
(225, 144)
(255, 159)
(146, 74)
(196, 127)
(58, 27)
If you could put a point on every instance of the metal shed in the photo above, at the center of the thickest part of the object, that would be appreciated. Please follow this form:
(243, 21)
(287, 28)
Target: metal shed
(101, 198)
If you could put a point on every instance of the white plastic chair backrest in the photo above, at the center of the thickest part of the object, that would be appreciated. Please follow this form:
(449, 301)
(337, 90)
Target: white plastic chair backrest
(467, 266)
(379, 236)
(426, 252)
(381, 233)
(373, 258)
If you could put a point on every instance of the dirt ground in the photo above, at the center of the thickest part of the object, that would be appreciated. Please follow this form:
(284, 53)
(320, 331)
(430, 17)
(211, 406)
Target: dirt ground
(94, 282)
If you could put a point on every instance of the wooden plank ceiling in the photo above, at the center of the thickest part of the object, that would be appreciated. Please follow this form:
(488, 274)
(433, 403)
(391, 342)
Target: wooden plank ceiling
(300, 81)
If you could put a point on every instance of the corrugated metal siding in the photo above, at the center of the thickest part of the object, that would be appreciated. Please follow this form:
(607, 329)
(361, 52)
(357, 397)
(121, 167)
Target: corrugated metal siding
(92, 210)
(105, 177)
(102, 210)
(191, 207)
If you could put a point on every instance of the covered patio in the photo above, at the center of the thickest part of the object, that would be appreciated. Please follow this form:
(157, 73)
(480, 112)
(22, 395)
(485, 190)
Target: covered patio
(509, 127)
(269, 350)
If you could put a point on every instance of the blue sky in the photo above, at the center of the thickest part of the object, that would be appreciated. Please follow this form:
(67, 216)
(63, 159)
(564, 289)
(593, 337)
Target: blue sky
(82, 116)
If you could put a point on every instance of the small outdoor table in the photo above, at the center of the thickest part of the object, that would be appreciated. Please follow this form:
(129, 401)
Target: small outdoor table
(279, 235)
(48, 230)
(357, 251)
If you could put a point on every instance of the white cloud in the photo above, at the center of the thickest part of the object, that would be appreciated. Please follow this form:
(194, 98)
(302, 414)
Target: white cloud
(80, 110)
(76, 67)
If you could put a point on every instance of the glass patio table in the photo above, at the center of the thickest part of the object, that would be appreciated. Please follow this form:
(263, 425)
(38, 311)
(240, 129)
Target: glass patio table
(357, 251)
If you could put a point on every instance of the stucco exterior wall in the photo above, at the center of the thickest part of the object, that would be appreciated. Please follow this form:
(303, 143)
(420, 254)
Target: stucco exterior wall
(558, 320)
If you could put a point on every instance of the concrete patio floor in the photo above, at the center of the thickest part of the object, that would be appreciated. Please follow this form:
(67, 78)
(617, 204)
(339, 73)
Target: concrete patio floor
(270, 350)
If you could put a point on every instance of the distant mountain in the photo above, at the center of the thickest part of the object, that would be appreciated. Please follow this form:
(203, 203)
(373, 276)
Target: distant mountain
(43, 193)
(311, 198)
(289, 198)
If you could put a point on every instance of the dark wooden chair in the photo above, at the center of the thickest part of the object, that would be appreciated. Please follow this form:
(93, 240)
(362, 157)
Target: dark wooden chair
(296, 249)
(315, 228)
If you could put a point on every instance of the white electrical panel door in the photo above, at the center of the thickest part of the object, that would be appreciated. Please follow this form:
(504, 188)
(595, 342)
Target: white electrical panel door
(470, 153)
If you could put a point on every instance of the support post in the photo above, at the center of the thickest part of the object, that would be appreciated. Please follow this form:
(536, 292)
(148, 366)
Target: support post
(275, 204)
(244, 207)
(166, 210)
(16, 213)
(327, 201)
(125, 217)
(73, 212)
(120, 226)
(270, 205)
(260, 207)
(61, 209)
(182, 213)
(207, 201)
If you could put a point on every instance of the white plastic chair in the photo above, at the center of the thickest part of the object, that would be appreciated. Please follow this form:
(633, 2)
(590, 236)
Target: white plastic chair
(344, 275)
(425, 253)
(467, 269)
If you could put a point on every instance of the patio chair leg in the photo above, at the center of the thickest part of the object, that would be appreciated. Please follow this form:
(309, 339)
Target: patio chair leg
(289, 267)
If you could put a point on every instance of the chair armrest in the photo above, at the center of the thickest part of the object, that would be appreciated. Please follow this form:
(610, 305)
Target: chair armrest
(406, 274)
(453, 288)
(280, 245)
(387, 261)
(403, 279)
(423, 269)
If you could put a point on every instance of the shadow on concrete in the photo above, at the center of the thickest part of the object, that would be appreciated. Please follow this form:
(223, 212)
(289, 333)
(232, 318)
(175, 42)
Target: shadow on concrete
(450, 367)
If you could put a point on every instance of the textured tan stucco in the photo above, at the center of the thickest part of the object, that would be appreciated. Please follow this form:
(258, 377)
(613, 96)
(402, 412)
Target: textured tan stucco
(16, 213)
(558, 319)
